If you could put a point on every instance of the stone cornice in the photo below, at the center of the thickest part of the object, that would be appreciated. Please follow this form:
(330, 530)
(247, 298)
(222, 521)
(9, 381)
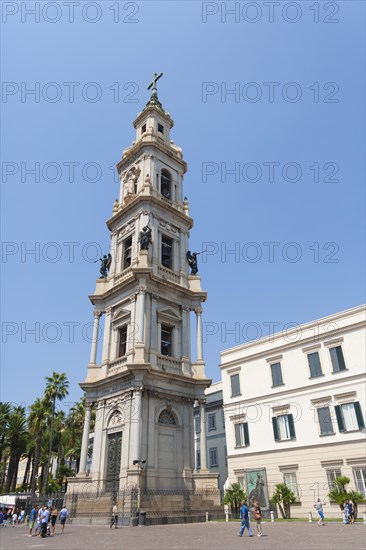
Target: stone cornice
(295, 392)
(187, 221)
(321, 339)
(152, 141)
(298, 448)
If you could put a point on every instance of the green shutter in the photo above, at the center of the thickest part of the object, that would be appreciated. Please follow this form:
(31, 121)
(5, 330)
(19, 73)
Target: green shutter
(361, 423)
(339, 416)
(237, 435)
(291, 426)
(275, 429)
(246, 434)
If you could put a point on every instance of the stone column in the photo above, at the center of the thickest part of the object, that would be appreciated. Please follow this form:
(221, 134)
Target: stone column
(153, 322)
(85, 440)
(198, 312)
(137, 424)
(141, 314)
(106, 336)
(94, 346)
(203, 446)
(114, 253)
(185, 332)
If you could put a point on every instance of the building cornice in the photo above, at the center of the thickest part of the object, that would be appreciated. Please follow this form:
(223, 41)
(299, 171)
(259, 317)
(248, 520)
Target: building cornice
(321, 339)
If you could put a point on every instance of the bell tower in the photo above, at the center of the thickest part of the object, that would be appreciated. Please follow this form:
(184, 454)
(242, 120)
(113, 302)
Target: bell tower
(147, 381)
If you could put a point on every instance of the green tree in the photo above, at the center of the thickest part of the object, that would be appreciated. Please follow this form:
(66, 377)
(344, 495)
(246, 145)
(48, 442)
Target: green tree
(5, 411)
(57, 388)
(339, 493)
(234, 494)
(40, 412)
(283, 496)
(16, 437)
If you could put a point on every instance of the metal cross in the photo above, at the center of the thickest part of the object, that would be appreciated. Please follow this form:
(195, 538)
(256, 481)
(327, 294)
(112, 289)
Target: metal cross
(156, 77)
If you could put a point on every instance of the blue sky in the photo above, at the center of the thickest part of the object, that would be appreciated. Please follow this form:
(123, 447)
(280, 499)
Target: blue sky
(298, 152)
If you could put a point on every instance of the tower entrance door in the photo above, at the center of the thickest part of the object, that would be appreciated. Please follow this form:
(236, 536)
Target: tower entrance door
(114, 449)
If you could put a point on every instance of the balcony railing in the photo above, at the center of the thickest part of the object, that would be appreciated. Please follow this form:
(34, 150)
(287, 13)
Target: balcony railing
(125, 274)
(170, 364)
(117, 365)
(169, 275)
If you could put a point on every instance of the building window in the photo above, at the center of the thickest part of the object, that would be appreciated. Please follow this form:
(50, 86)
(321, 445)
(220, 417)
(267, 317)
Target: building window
(166, 184)
(314, 365)
(331, 475)
(127, 252)
(122, 341)
(359, 475)
(290, 481)
(166, 417)
(336, 355)
(213, 457)
(349, 417)
(235, 385)
(161, 128)
(283, 427)
(143, 129)
(241, 435)
(276, 374)
(166, 340)
(167, 252)
(212, 421)
(197, 424)
(198, 460)
(325, 421)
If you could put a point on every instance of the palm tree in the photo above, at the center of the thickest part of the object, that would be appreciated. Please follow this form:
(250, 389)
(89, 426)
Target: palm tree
(283, 496)
(234, 495)
(40, 412)
(16, 438)
(339, 493)
(57, 388)
(5, 411)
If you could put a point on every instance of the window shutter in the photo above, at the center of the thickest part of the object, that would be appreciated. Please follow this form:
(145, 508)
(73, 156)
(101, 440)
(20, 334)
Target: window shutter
(246, 434)
(360, 421)
(291, 426)
(339, 416)
(237, 435)
(275, 429)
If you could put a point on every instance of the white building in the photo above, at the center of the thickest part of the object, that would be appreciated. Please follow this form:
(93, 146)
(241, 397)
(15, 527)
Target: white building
(215, 433)
(295, 407)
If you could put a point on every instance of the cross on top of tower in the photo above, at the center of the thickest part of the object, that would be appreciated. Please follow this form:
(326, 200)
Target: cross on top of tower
(154, 95)
(152, 84)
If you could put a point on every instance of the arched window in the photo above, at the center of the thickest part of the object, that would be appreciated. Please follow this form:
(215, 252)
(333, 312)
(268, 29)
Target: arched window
(166, 184)
(166, 417)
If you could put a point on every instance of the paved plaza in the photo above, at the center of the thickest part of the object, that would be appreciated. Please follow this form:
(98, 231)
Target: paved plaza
(215, 535)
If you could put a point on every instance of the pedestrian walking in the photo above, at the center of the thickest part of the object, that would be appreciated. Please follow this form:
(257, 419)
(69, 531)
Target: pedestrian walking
(346, 511)
(319, 508)
(114, 518)
(63, 517)
(351, 512)
(21, 516)
(244, 516)
(258, 518)
(14, 518)
(54, 514)
(32, 519)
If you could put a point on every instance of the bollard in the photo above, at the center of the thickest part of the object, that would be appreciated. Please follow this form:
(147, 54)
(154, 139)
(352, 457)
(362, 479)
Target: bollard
(310, 516)
(227, 517)
(272, 516)
(206, 516)
(364, 517)
(344, 517)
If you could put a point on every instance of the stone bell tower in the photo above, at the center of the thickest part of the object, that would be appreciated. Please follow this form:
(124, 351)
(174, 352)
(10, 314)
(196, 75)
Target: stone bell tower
(147, 382)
